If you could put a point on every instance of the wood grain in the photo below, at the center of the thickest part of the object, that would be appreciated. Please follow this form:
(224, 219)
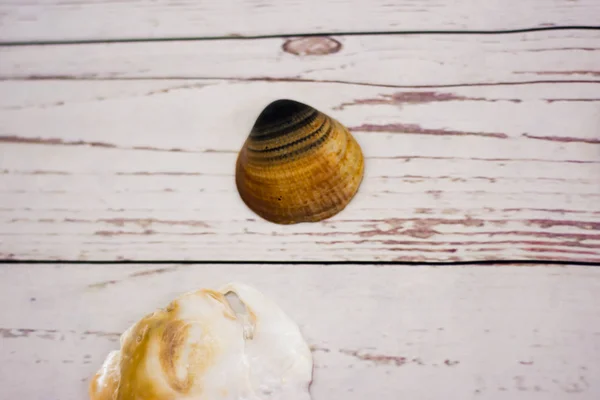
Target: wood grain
(144, 170)
(383, 60)
(389, 332)
(108, 19)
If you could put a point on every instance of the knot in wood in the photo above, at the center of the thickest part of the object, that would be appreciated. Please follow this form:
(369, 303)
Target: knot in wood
(320, 45)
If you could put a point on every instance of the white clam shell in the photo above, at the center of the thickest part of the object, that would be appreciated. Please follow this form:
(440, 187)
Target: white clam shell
(230, 344)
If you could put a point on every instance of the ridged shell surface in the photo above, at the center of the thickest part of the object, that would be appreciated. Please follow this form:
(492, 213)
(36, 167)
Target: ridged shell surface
(298, 165)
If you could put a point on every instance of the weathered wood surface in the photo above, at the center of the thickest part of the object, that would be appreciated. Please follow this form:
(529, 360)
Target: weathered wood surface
(390, 332)
(144, 170)
(477, 147)
(384, 60)
(108, 19)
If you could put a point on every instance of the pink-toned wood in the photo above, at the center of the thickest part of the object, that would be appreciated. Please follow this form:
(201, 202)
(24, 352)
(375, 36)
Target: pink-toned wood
(144, 170)
(495, 333)
(108, 19)
(404, 60)
(478, 147)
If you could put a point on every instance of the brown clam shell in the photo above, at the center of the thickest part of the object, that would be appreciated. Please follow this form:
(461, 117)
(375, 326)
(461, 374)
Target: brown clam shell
(298, 165)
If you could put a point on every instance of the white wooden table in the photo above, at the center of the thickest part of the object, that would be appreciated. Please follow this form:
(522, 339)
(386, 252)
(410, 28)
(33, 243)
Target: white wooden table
(465, 267)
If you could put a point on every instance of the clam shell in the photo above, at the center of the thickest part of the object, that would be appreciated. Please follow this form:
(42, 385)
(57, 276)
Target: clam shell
(233, 343)
(298, 165)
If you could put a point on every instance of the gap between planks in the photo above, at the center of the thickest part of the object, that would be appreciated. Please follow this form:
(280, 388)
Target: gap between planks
(524, 263)
(298, 35)
(53, 20)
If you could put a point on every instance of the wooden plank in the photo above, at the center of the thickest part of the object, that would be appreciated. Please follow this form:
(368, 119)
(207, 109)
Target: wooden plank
(107, 19)
(383, 60)
(478, 332)
(144, 170)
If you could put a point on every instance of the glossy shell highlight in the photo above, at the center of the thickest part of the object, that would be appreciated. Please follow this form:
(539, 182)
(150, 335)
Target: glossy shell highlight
(298, 165)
